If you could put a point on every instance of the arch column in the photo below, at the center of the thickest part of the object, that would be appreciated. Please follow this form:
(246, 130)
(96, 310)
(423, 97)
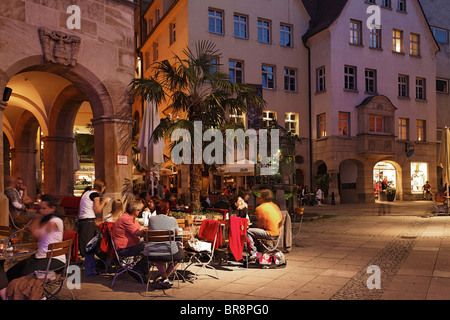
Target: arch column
(112, 137)
(364, 182)
(58, 165)
(334, 186)
(4, 206)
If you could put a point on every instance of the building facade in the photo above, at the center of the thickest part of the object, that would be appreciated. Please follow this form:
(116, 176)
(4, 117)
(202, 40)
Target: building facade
(356, 94)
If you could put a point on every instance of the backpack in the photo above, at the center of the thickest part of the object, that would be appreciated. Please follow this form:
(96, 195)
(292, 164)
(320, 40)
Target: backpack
(274, 259)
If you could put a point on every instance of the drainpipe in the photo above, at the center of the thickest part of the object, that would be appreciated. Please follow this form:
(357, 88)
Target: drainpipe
(310, 112)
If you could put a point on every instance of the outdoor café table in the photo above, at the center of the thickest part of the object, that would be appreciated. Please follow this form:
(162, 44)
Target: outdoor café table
(12, 256)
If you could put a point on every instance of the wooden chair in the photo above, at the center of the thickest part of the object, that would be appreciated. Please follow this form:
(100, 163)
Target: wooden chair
(55, 279)
(161, 237)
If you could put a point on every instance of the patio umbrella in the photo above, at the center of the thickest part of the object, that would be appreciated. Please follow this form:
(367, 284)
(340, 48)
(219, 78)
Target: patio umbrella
(152, 154)
(444, 158)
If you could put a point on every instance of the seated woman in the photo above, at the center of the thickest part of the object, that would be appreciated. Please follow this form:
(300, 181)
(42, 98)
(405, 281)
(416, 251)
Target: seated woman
(116, 211)
(163, 222)
(48, 229)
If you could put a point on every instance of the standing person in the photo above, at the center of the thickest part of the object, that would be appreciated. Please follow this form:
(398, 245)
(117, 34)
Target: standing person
(268, 223)
(91, 207)
(319, 196)
(163, 222)
(48, 228)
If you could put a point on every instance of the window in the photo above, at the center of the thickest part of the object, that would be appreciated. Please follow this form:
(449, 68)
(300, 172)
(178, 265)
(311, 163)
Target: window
(401, 5)
(291, 122)
(268, 118)
(268, 77)
(264, 31)
(371, 81)
(155, 51)
(403, 129)
(355, 32)
(286, 35)
(320, 74)
(173, 32)
(344, 121)
(290, 80)
(215, 21)
(420, 89)
(419, 176)
(321, 125)
(441, 35)
(420, 130)
(376, 124)
(157, 15)
(441, 85)
(375, 38)
(237, 117)
(214, 67)
(386, 3)
(414, 44)
(235, 71)
(397, 39)
(350, 78)
(240, 26)
(403, 86)
(370, 1)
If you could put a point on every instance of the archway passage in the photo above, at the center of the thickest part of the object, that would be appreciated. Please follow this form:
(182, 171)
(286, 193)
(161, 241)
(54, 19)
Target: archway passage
(49, 97)
(350, 180)
(386, 175)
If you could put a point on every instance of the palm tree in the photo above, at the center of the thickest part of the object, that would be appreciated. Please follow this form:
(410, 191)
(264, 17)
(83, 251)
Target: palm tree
(193, 89)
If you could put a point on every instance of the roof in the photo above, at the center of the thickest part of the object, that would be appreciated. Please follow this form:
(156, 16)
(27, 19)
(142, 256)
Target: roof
(323, 13)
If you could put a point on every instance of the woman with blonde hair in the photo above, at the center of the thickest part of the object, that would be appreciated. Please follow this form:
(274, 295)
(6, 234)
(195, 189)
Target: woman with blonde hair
(116, 211)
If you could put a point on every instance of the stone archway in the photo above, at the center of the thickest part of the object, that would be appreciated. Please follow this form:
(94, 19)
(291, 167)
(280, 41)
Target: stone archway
(350, 180)
(108, 126)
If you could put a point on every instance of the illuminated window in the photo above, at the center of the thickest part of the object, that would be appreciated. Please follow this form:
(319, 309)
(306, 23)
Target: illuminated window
(291, 122)
(397, 41)
(419, 175)
(321, 125)
(414, 44)
(403, 129)
(268, 118)
(344, 121)
(420, 130)
(376, 124)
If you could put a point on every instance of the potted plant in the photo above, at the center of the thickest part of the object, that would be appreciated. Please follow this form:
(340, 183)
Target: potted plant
(390, 194)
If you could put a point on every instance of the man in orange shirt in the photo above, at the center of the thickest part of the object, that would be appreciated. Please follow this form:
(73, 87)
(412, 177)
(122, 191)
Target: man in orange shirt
(269, 220)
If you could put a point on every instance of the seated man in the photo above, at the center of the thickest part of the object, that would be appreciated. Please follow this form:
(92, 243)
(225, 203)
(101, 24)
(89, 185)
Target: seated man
(127, 232)
(19, 211)
(268, 223)
(163, 222)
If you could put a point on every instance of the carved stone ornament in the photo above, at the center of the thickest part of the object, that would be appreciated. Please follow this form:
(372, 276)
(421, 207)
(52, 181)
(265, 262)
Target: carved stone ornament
(59, 47)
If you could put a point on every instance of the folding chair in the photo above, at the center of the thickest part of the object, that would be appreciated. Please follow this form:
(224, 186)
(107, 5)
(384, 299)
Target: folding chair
(204, 258)
(160, 238)
(72, 235)
(55, 279)
(126, 264)
(440, 207)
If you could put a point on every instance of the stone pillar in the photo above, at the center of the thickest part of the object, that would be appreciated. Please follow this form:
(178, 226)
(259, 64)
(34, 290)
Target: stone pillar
(4, 206)
(58, 165)
(334, 187)
(112, 138)
(364, 183)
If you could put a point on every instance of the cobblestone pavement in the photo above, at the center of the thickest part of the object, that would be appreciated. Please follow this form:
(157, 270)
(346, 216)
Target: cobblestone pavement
(329, 261)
